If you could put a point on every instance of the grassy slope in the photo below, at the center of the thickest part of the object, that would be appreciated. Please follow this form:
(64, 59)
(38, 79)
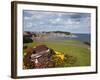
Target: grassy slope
(70, 47)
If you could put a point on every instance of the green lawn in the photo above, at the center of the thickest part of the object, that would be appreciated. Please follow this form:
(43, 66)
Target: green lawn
(73, 48)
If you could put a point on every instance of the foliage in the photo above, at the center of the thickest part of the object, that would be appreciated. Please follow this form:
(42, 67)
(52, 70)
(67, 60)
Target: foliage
(67, 61)
(70, 60)
(67, 33)
(59, 54)
(27, 40)
(24, 47)
(58, 61)
(87, 43)
(52, 52)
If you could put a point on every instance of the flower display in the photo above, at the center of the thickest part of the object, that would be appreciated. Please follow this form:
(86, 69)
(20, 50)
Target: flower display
(59, 54)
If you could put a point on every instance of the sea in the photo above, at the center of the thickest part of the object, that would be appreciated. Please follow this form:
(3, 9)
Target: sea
(81, 37)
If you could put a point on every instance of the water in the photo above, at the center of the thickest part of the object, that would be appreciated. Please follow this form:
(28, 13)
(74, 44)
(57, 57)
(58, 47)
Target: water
(81, 37)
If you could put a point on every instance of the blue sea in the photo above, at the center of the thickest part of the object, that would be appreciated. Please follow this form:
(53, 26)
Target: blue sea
(81, 37)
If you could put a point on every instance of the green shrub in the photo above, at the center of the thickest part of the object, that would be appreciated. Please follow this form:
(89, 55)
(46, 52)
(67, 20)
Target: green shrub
(24, 47)
(58, 61)
(67, 62)
(27, 40)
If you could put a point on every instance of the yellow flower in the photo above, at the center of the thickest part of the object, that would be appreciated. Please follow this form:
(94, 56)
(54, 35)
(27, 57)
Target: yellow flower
(59, 54)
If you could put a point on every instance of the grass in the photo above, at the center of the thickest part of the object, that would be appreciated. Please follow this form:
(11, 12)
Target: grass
(74, 48)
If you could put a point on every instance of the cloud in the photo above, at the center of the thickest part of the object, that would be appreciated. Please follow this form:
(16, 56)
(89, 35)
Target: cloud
(50, 21)
(26, 18)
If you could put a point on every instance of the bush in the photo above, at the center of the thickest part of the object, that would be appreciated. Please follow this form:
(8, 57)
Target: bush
(87, 43)
(24, 47)
(27, 40)
(51, 53)
(58, 61)
(67, 62)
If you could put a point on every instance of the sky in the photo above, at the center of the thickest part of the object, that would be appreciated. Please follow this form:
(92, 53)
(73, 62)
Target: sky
(37, 21)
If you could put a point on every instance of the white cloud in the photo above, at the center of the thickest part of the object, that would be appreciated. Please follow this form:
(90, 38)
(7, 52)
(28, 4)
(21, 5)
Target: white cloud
(28, 25)
(38, 16)
(58, 19)
(70, 21)
(26, 18)
(55, 21)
